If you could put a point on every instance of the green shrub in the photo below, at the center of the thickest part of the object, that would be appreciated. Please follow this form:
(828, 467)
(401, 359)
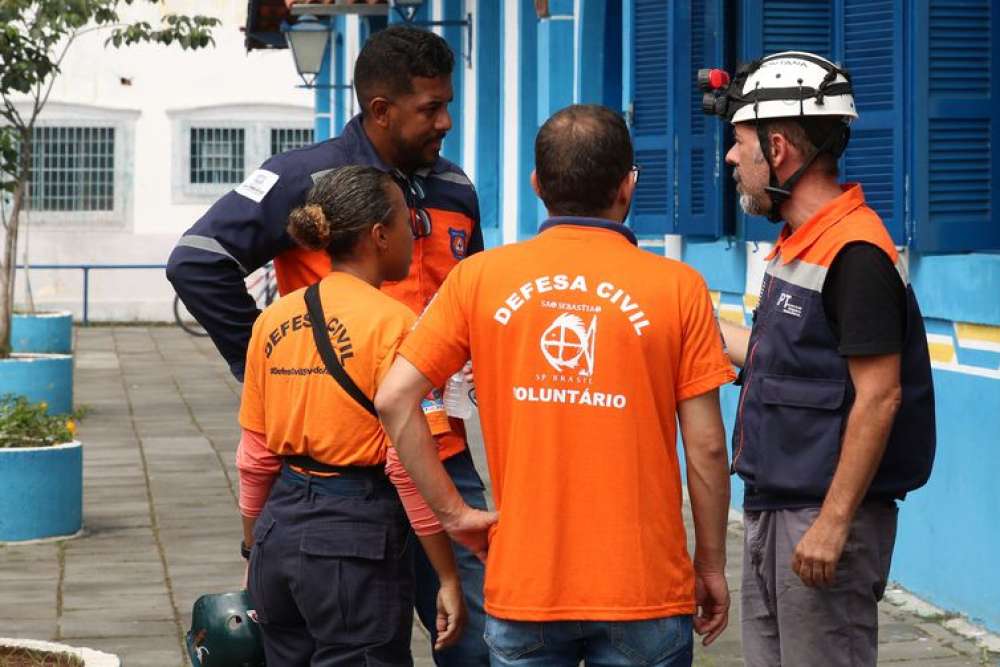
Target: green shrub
(24, 424)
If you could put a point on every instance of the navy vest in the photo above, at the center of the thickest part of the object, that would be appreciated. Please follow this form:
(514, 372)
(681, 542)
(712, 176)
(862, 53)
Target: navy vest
(797, 392)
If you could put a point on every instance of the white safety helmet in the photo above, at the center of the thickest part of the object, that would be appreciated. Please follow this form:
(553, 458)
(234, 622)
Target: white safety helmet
(795, 84)
(792, 85)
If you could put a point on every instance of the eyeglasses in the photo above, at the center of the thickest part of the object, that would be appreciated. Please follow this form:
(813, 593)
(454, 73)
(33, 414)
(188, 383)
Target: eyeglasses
(413, 191)
(635, 171)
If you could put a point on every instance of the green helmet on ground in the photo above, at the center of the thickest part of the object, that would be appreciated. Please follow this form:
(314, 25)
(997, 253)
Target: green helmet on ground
(224, 632)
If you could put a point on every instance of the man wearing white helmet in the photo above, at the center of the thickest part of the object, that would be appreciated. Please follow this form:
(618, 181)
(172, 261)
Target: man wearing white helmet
(835, 422)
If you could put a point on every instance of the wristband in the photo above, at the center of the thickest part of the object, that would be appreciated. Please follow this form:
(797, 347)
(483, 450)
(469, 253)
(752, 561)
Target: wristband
(244, 550)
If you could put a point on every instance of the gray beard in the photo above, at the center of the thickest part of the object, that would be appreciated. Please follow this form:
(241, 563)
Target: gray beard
(752, 205)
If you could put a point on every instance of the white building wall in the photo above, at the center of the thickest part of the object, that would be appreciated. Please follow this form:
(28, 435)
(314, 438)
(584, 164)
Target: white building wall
(470, 105)
(510, 159)
(149, 92)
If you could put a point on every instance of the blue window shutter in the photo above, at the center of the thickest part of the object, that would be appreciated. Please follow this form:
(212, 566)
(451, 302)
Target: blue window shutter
(872, 39)
(652, 132)
(699, 43)
(955, 113)
(797, 25)
(454, 10)
(770, 26)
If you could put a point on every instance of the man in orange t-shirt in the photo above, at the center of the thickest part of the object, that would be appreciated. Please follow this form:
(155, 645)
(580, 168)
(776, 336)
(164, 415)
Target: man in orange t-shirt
(586, 351)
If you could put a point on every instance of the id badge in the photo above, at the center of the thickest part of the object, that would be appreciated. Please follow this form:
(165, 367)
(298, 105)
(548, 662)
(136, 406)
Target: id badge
(434, 412)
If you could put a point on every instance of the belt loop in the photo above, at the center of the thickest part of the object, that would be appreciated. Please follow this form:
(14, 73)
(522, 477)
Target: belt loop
(309, 492)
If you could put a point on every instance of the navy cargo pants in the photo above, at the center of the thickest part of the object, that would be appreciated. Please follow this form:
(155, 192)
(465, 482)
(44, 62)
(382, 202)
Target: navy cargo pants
(331, 572)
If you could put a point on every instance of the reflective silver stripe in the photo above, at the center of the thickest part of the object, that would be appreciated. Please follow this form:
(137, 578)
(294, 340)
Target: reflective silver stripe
(319, 174)
(453, 177)
(797, 272)
(812, 276)
(209, 244)
(902, 270)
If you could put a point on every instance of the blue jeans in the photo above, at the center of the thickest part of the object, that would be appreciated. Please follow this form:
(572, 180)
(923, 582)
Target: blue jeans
(470, 651)
(659, 642)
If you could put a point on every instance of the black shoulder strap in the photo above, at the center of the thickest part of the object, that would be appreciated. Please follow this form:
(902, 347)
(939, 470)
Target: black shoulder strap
(333, 367)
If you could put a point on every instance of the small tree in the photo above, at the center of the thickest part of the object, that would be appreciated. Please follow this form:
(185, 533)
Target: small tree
(35, 36)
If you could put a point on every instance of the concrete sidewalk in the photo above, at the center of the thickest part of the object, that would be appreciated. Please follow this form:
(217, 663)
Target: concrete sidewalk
(162, 525)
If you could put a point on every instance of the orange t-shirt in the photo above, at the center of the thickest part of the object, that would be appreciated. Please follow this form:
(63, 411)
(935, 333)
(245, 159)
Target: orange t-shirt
(288, 394)
(432, 260)
(582, 345)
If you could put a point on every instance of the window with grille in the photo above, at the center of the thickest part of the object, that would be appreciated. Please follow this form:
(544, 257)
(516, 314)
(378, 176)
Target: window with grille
(217, 155)
(73, 169)
(288, 138)
(216, 148)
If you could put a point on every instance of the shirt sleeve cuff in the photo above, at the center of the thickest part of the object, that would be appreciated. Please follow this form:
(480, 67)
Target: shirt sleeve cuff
(705, 383)
(436, 376)
(870, 349)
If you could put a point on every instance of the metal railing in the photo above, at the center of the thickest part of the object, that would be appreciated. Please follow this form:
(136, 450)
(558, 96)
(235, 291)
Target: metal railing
(87, 268)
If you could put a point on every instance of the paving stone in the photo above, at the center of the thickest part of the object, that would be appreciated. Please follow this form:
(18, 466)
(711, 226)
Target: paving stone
(29, 594)
(15, 567)
(218, 555)
(75, 593)
(920, 649)
(957, 642)
(124, 613)
(212, 530)
(155, 651)
(96, 537)
(112, 521)
(99, 626)
(130, 507)
(120, 550)
(41, 610)
(122, 574)
(141, 658)
(120, 599)
(27, 628)
(42, 573)
(899, 632)
(943, 662)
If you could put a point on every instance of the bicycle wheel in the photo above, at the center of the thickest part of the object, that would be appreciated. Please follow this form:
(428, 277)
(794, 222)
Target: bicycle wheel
(185, 321)
(270, 293)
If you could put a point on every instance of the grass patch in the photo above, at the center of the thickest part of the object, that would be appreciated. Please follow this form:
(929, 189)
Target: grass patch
(14, 656)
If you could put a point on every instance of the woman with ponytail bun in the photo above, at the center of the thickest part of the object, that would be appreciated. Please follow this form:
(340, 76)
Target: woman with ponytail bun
(330, 562)
(309, 227)
(347, 214)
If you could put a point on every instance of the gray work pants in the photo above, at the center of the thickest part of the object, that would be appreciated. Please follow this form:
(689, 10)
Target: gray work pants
(789, 624)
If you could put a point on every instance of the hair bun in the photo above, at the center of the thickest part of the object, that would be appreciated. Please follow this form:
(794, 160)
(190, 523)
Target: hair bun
(309, 227)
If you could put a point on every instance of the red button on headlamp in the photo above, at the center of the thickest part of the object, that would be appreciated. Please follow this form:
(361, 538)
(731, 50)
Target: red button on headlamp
(712, 79)
(718, 78)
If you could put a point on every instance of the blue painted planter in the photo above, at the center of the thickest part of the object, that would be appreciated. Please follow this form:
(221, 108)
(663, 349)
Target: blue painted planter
(40, 377)
(41, 492)
(50, 333)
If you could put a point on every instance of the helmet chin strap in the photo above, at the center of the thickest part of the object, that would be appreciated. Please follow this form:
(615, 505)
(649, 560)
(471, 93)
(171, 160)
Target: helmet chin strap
(834, 144)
